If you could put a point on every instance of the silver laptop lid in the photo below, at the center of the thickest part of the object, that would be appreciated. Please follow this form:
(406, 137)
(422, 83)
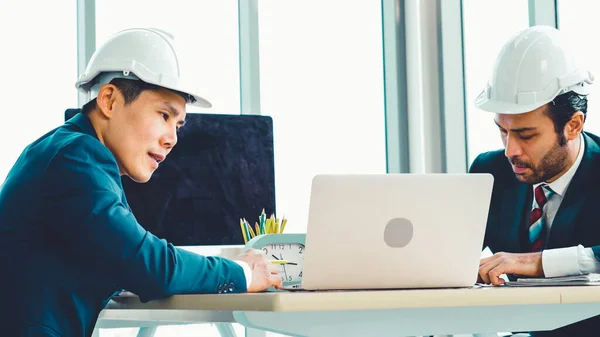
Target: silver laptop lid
(395, 230)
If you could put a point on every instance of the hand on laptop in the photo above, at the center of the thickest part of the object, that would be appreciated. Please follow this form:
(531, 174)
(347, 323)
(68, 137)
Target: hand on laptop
(526, 264)
(264, 273)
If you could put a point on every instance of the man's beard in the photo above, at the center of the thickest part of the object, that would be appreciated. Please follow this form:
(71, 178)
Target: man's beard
(553, 162)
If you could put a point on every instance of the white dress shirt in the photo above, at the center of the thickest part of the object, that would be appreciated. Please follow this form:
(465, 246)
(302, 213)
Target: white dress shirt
(574, 260)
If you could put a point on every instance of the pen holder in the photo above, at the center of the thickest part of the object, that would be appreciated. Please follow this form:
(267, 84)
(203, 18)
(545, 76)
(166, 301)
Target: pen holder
(263, 225)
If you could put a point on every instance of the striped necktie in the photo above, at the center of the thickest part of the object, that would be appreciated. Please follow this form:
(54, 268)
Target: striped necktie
(537, 221)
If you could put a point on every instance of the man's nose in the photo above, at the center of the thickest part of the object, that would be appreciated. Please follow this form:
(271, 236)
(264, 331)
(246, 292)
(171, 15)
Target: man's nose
(169, 139)
(512, 148)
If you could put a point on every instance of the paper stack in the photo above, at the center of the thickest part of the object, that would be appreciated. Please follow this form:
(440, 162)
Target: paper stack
(578, 280)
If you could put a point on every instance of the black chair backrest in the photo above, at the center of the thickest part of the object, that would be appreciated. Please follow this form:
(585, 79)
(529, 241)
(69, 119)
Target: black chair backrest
(221, 170)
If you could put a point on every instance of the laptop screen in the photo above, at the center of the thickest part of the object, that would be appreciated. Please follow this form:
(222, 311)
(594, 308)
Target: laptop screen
(221, 170)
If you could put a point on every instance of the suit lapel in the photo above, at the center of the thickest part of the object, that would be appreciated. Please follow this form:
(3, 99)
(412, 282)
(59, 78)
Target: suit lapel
(562, 230)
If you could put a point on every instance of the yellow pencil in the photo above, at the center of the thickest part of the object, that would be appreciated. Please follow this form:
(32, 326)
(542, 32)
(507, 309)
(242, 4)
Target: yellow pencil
(278, 261)
(283, 222)
(272, 219)
(252, 234)
(276, 225)
(243, 231)
(257, 228)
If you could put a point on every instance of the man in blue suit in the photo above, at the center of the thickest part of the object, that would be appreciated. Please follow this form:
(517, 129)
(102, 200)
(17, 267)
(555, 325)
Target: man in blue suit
(68, 239)
(543, 218)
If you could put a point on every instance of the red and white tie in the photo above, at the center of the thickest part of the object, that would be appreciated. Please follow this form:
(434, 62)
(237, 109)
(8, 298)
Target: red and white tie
(537, 220)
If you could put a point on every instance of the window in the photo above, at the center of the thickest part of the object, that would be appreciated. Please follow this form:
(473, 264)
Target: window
(38, 64)
(577, 21)
(322, 83)
(487, 26)
(206, 34)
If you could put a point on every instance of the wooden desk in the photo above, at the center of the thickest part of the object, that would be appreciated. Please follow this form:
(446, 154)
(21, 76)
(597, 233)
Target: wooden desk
(373, 313)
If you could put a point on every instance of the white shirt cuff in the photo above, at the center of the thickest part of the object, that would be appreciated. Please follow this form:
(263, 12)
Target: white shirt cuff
(587, 261)
(561, 262)
(247, 272)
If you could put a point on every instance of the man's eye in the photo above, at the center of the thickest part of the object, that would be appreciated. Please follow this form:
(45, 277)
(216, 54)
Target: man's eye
(527, 137)
(165, 116)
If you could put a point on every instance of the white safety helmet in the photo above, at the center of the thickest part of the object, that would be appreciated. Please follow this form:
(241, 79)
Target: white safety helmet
(139, 54)
(532, 68)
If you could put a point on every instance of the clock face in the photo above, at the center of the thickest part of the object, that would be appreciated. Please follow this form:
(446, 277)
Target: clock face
(291, 252)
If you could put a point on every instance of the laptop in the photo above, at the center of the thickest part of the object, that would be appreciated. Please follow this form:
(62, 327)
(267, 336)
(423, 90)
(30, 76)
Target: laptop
(395, 231)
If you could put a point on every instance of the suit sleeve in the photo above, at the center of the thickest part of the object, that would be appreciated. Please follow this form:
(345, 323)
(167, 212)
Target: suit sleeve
(474, 168)
(596, 251)
(86, 200)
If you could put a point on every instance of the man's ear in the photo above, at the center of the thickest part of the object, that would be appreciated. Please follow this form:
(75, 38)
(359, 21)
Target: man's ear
(106, 100)
(574, 126)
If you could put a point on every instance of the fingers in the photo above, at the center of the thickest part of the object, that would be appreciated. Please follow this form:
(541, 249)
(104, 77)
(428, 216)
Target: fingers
(272, 276)
(488, 264)
(489, 258)
(494, 274)
(275, 281)
(265, 274)
(490, 269)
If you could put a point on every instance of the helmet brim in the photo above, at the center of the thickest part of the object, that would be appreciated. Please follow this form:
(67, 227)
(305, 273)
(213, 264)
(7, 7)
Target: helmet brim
(483, 102)
(83, 85)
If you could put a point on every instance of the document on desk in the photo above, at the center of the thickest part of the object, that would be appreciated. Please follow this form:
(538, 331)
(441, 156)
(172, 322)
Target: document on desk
(577, 280)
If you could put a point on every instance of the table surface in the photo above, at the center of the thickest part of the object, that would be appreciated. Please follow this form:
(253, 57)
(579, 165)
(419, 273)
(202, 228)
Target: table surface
(367, 299)
(406, 312)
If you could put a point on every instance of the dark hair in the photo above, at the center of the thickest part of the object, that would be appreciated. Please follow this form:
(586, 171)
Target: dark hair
(562, 108)
(131, 90)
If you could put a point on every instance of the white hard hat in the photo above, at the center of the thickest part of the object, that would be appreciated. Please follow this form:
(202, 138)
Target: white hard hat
(532, 68)
(140, 54)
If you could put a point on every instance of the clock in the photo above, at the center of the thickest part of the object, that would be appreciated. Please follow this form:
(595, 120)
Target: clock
(283, 247)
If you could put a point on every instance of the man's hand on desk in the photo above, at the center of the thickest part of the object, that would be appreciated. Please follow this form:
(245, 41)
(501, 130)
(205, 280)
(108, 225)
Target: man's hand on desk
(526, 264)
(264, 273)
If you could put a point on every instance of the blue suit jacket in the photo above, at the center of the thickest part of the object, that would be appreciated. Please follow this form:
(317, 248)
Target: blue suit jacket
(68, 241)
(576, 222)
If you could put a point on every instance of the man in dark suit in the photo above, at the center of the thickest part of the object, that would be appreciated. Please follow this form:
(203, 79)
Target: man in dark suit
(68, 239)
(543, 219)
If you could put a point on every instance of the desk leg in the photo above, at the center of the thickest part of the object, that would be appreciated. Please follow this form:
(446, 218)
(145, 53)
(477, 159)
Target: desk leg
(255, 333)
(147, 331)
(225, 329)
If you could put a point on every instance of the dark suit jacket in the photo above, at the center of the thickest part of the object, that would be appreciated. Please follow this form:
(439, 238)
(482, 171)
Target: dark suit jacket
(576, 222)
(68, 241)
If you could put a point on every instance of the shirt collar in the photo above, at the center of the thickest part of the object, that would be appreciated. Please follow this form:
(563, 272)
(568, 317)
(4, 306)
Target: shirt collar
(559, 186)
